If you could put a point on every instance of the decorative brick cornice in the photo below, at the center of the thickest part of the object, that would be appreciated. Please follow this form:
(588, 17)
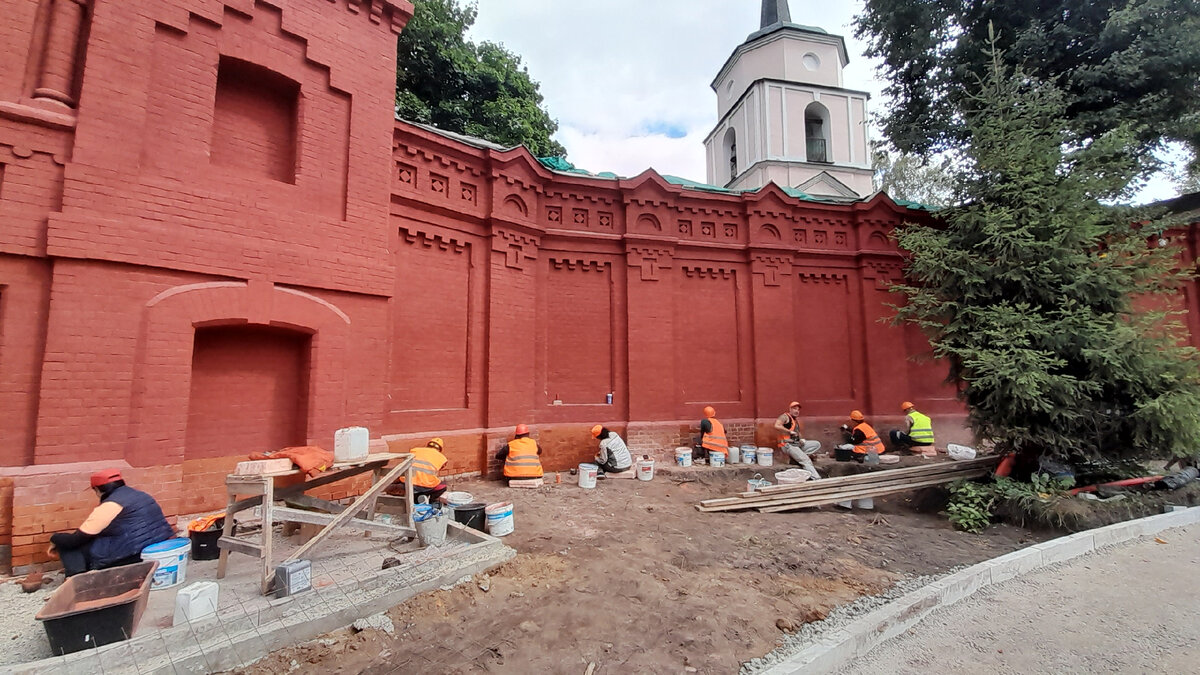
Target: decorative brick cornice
(428, 240)
(650, 260)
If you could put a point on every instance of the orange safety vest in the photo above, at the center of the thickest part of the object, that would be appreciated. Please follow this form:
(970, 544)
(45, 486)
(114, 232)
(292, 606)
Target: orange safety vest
(522, 460)
(715, 440)
(426, 464)
(784, 439)
(871, 440)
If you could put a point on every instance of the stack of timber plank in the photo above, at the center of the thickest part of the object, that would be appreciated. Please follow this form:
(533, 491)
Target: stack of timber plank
(779, 498)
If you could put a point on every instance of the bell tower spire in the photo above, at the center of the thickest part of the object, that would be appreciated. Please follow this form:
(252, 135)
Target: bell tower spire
(775, 11)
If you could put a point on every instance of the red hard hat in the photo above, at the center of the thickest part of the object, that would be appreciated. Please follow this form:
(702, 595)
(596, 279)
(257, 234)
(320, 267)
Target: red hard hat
(794, 404)
(522, 429)
(105, 477)
(856, 415)
(596, 431)
(709, 411)
(906, 405)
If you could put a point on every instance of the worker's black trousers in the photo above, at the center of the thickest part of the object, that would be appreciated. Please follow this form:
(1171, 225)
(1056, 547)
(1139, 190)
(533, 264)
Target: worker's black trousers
(77, 560)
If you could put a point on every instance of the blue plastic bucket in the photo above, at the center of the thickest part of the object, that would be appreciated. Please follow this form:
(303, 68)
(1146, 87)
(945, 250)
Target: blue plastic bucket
(172, 557)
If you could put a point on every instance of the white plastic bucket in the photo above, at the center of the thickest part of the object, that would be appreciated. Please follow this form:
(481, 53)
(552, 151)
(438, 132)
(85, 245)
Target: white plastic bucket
(458, 498)
(716, 459)
(645, 469)
(500, 517)
(587, 476)
(683, 456)
(749, 455)
(172, 557)
(735, 454)
(766, 457)
(757, 483)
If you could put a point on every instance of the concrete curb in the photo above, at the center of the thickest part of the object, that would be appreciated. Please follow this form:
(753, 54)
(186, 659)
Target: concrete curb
(234, 640)
(836, 649)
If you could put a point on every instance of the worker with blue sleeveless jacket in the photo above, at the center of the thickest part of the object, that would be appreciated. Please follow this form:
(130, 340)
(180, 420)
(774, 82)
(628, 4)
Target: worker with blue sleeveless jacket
(116, 531)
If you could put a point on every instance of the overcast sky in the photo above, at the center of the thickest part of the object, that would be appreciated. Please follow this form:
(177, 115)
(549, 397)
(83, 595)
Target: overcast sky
(628, 80)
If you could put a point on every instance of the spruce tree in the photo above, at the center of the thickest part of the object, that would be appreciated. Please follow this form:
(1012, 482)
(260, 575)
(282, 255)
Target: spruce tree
(1031, 288)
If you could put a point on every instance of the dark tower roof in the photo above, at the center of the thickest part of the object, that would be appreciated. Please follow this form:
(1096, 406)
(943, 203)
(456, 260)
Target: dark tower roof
(775, 11)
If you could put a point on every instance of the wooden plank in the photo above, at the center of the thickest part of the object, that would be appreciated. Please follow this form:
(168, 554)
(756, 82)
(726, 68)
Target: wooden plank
(804, 501)
(314, 503)
(772, 500)
(858, 494)
(354, 508)
(228, 544)
(285, 514)
(882, 473)
(822, 487)
(268, 532)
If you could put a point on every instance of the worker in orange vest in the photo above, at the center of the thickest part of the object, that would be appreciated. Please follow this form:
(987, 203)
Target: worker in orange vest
(520, 455)
(862, 437)
(792, 441)
(427, 462)
(713, 438)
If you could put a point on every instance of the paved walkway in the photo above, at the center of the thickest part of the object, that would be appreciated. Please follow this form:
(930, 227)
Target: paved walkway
(1131, 609)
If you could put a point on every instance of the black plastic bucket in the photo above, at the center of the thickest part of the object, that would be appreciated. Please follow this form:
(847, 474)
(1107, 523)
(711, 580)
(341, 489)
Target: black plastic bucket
(204, 545)
(470, 515)
(843, 454)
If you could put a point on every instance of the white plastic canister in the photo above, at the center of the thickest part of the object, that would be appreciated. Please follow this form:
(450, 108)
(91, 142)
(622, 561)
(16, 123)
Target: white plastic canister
(350, 444)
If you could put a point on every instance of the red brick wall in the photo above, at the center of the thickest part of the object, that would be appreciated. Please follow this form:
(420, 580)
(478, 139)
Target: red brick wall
(254, 121)
(578, 328)
(249, 391)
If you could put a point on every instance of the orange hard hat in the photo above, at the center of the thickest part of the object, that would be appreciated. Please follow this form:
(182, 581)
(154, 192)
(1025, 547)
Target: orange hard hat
(596, 431)
(906, 405)
(709, 411)
(794, 404)
(856, 415)
(522, 429)
(437, 443)
(105, 476)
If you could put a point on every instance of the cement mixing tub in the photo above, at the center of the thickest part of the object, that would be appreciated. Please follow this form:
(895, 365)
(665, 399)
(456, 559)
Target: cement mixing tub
(97, 608)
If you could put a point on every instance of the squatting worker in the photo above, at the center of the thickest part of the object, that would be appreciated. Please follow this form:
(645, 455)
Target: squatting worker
(520, 455)
(861, 436)
(427, 462)
(792, 441)
(713, 433)
(614, 454)
(116, 531)
(918, 429)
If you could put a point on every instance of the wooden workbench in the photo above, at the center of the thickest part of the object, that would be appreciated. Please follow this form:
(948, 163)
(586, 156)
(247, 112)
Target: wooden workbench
(259, 490)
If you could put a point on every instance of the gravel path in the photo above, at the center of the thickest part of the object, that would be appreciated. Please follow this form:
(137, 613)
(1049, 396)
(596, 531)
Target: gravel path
(1129, 609)
(21, 637)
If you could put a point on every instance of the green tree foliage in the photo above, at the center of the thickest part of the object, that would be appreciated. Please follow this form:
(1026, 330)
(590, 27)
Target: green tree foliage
(444, 79)
(1130, 64)
(912, 178)
(1031, 288)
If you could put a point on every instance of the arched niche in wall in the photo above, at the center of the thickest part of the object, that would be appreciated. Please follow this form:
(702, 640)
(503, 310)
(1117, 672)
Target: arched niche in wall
(816, 133)
(729, 153)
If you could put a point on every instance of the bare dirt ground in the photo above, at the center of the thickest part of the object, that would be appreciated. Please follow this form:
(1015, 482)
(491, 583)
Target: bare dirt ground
(630, 577)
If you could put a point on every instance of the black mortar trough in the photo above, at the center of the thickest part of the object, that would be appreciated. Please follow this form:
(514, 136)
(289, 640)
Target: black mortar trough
(97, 608)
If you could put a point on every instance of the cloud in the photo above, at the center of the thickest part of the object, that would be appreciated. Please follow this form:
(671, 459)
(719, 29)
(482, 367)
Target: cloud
(629, 80)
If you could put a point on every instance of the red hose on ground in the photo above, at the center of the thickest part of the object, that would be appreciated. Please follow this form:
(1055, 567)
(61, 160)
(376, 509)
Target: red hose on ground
(1128, 482)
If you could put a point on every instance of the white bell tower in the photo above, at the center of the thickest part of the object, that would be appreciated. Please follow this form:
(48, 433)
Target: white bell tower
(785, 115)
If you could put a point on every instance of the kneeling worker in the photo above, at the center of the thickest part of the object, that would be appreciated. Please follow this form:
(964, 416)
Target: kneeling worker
(713, 438)
(116, 531)
(614, 454)
(520, 455)
(862, 437)
(918, 430)
(427, 462)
